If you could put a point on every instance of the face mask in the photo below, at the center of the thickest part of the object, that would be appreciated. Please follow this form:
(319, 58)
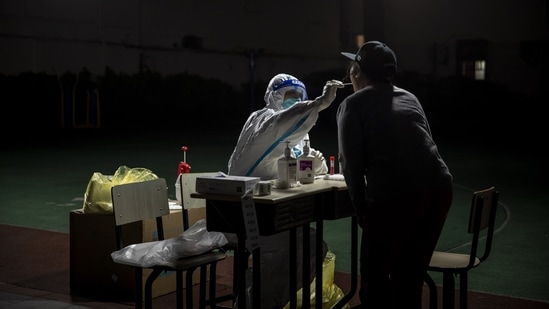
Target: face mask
(289, 102)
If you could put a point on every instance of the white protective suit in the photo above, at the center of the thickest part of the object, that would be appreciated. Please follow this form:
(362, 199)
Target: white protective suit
(261, 141)
(260, 145)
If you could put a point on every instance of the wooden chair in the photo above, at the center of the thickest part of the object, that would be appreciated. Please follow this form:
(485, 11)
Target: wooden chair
(139, 201)
(481, 224)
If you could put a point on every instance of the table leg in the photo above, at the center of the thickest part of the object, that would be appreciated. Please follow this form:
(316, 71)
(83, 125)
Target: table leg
(256, 286)
(318, 258)
(242, 260)
(293, 268)
(306, 278)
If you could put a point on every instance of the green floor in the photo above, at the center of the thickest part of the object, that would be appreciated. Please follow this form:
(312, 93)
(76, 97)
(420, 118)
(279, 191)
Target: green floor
(43, 178)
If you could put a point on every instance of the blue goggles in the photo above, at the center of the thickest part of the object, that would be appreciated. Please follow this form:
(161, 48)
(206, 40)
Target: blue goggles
(294, 83)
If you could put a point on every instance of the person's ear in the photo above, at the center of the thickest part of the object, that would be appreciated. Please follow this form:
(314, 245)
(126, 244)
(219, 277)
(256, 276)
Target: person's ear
(356, 73)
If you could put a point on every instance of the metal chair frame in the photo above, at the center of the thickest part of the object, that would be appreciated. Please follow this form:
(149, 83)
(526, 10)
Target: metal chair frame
(482, 219)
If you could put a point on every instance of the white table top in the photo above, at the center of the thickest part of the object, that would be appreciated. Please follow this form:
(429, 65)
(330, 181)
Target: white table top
(282, 195)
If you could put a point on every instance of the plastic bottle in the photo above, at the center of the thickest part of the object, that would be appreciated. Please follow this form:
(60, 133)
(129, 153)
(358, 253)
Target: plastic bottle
(182, 168)
(305, 165)
(287, 169)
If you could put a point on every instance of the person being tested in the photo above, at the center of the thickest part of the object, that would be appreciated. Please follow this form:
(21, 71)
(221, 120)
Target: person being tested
(399, 185)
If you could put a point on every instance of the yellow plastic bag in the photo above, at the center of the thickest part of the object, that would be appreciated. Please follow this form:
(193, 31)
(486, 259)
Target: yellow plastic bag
(331, 293)
(97, 198)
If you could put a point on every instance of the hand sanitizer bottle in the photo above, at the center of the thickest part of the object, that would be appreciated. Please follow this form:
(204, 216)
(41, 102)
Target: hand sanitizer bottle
(305, 165)
(287, 169)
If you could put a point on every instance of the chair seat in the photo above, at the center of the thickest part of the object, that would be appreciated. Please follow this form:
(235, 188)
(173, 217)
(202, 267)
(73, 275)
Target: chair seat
(448, 260)
(193, 261)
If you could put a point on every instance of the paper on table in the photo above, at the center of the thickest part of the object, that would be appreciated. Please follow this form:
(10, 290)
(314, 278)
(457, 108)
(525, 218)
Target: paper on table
(338, 177)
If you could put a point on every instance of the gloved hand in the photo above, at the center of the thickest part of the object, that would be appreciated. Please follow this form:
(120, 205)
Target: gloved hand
(319, 163)
(328, 93)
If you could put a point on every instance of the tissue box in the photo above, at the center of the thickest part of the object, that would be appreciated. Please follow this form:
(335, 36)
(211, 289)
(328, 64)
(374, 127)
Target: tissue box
(227, 185)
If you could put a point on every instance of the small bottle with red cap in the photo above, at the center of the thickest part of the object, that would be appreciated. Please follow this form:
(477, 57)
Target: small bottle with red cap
(184, 167)
(332, 165)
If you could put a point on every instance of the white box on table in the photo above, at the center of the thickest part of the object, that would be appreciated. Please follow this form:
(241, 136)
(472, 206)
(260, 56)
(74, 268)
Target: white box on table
(226, 184)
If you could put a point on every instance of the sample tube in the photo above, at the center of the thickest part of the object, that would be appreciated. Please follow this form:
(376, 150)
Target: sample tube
(332, 165)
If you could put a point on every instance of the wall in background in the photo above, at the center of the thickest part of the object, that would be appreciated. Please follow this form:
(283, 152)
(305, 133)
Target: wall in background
(241, 41)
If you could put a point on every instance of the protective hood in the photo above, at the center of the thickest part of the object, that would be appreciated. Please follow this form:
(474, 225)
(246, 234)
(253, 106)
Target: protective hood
(274, 95)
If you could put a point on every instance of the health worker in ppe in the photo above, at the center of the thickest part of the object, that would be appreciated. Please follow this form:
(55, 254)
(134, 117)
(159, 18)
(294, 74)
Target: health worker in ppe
(287, 116)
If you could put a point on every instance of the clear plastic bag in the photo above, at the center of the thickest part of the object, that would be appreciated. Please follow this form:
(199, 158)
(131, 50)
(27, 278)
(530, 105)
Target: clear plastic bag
(194, 241)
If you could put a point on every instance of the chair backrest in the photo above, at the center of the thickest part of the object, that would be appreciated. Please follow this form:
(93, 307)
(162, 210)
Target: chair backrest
(483, 218)
(138, 201)
(187, 186)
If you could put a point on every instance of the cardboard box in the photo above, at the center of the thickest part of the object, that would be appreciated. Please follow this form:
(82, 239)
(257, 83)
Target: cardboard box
(227, 185)
(92, 240)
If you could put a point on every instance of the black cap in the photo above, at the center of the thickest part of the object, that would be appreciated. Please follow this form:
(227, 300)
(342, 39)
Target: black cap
(375, 59)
